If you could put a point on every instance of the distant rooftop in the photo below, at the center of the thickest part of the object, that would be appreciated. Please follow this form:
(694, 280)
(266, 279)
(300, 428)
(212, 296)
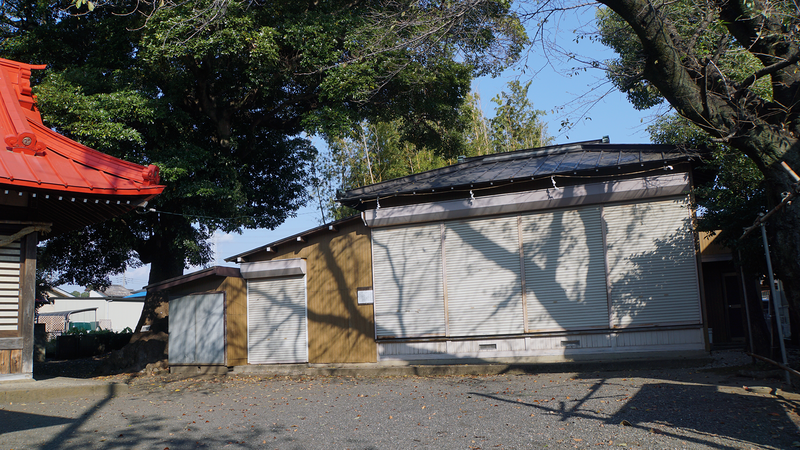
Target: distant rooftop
(116, 290)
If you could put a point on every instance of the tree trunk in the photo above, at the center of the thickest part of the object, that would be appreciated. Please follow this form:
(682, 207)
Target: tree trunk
(149, 349)
(167, 260)
(156, 306)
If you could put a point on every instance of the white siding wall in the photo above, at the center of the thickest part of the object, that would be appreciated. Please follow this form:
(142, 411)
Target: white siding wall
(563, 347)
(121, 313)
(9, 286)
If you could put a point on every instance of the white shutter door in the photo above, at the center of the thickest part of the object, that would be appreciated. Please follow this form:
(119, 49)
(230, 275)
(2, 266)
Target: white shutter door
(9, 286)
(182, 333)
(565, 277)
(276, 320)
(210, 328)
(484, 288)
(407, 281)
(652, 269)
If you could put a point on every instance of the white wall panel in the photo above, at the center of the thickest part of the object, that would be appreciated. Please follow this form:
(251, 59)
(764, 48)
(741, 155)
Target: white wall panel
(197, 329)
(210, 328)
(565, 285)
(182, 332)
(484, 286)
(652, 267)
(407, 281)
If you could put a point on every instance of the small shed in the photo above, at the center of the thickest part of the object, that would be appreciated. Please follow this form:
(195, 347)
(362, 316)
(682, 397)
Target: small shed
(309, 297)
(303, 299)
(574, 251)
(207, 319)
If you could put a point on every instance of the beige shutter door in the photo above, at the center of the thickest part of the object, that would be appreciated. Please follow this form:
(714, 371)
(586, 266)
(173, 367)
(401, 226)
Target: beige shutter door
(565, 279)
(652, 267)
(277, 326)
(484, 285)
(407, 281)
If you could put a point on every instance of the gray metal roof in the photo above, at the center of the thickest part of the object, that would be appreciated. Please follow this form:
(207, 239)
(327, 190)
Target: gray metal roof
(521, 165)
(66, 314)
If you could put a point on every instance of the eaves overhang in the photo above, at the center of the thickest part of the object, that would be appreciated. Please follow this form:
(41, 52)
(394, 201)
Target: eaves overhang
(215, 271)
(299, 237)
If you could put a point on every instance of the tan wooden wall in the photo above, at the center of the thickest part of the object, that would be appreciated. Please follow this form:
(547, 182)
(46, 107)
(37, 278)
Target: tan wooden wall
(235, 312)
(236, 320)
(10, 362)
(337, 263)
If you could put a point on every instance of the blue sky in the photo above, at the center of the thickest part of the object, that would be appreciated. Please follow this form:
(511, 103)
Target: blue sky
(554, 91)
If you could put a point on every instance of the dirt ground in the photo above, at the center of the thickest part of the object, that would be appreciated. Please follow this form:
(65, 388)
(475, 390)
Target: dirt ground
(727, 403)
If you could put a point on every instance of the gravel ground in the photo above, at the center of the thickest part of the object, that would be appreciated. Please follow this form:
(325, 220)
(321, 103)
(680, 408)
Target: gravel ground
(702, 408)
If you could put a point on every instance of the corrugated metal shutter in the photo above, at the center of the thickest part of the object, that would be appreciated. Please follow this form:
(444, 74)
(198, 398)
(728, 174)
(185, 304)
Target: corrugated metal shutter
(197, 329)
(9, 286)
(565, 279)
(182, 333)
(484, 287)
(651, 263)
(210, 328)
(407, 281)
(277, 330)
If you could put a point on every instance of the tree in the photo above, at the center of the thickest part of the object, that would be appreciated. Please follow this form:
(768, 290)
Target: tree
(220, 103)
(376, 152)
(731, 69)
(516, 125)
(730, 189)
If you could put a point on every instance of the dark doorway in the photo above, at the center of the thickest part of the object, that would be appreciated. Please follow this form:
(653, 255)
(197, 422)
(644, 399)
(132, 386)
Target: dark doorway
(732, 293)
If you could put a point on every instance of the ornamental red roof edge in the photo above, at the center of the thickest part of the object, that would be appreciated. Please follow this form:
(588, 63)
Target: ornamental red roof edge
(37, 157)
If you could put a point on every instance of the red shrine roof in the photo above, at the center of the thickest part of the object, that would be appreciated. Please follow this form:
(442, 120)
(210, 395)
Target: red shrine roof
(38, 157)
(49, 178)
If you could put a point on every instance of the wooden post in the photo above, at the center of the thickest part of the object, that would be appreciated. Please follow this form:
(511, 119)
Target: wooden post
(27, 299)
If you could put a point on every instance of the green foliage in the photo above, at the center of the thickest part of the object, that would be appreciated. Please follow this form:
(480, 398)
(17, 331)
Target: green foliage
(79, 330)
(220, 96)
(477, 133)
(627, 71)
(516, 124)
(380, 151)
(371, 153)
(730, 190)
